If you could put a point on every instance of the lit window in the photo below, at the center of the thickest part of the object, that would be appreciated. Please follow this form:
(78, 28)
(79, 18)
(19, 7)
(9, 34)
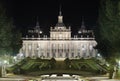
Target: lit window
(91, 47)
(60, 36)
(30, 47)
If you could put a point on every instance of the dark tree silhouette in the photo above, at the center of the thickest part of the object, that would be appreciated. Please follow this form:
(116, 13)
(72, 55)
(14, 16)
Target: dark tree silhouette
(108, 31)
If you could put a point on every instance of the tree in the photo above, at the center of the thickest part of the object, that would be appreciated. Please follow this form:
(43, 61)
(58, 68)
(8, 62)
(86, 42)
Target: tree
(108, 31)
(10, 38)
(5, 32)
(16, 42)
(52, 63)
(67, 62)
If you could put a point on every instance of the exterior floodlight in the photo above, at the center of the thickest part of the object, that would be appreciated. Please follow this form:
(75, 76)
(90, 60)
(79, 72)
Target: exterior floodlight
(5, 61)
(83, 49)
(21, 54)
(98, 55)
(40, 32)
(14, 57)
(79, 32)
(119, 63)
(107, 64)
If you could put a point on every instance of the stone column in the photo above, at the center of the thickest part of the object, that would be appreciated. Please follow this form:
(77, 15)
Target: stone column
(26, 47)
(45, 49)
(76, 50)
(69, 54)
(35, 49)
(33, 53)
(88, 54)
(94, 52)
(72, 47)
(81, 50)
(54, 50)
(38, 48)
(64, 48)
(50, 47)
(67, 49)
(57, 50)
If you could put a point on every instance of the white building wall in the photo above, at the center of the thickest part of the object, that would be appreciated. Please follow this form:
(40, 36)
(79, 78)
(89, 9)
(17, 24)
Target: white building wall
(59, 48)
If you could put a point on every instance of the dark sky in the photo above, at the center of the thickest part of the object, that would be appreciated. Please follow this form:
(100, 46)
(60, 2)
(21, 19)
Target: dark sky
(25, 12)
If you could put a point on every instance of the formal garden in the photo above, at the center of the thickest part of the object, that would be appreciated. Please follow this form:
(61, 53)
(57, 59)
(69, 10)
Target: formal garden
(38, 66)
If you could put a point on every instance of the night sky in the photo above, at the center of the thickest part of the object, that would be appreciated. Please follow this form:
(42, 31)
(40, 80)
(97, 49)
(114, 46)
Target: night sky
(25, 12)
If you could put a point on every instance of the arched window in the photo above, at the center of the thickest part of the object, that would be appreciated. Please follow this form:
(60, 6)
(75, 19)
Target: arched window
(60, 36)
(60, 54)
(72, 55)
(91, 47)
(66, 55)
(54, 55)
(29, 47)
(48, 55)
(78, 54)
(84, 54)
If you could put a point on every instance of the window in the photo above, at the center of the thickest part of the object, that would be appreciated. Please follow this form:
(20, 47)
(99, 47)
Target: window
(60, 36)
(60, 54)
(72, 55)
(78, 54)
(91, 47)
(48, 55)
(66, 55)
(54, 55)
(29, 47)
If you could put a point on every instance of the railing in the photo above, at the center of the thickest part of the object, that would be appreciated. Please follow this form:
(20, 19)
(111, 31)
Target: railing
(59, 39)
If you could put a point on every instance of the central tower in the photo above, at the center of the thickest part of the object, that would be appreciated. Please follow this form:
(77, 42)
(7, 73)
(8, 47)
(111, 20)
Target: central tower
(60, 31)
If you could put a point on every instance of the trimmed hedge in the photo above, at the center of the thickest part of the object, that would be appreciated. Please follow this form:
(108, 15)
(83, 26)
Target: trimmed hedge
(30, 65)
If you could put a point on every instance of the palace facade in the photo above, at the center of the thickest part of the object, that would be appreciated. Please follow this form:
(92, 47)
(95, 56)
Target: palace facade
(60, 43)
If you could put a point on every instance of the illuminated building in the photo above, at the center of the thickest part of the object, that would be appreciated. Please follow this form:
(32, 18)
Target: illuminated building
(60, 44)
